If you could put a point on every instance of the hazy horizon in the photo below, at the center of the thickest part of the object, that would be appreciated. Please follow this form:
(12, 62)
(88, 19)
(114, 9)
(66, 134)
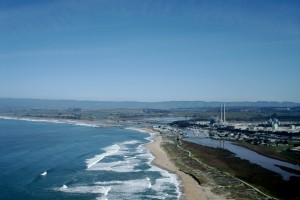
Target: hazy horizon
(208, 101)
(150, 51)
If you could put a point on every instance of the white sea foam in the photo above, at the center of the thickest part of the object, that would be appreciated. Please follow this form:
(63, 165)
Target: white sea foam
(130, 186)
(125, 168)
(119, 166)
(141, 149)
(44, 173)
(136, 129)
(177, 183)
(155, 196)
(107, 165)
(102, 198)
(109, 151)
(32, 119)
(127, 189)
(84, 124)
(163, 172)
(159, 185)
(168, 178)
(64, 187)
(6, 117)
(131, 142)
(56, 121)
(109, 182)
(104, 166)
(149, 185)
(129, 160)
(85, 189)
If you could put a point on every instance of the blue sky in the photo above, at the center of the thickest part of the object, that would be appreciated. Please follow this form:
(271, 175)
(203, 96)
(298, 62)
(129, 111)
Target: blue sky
(150, 50)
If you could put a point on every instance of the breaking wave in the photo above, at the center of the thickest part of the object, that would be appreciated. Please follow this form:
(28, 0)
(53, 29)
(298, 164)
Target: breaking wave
(126, 162)
(109, 151)
(55, 121)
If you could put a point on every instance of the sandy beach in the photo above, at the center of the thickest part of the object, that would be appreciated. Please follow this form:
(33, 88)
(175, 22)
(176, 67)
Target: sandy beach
(191, 189)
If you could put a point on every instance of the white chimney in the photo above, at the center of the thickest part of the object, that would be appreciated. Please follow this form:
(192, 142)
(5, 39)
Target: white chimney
(224, 114)
(221, 114)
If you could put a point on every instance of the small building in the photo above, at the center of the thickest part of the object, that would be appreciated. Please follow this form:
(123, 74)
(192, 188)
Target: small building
(292, 127)
(275, 126)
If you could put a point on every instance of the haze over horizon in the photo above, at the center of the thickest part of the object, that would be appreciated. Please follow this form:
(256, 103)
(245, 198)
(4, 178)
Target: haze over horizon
(134, 101)
(150, 51)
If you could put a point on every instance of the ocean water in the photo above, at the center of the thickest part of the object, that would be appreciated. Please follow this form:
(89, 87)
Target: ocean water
(43, 160)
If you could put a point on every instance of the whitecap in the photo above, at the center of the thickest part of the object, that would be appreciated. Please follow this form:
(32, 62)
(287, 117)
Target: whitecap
(85, 189)
(119, 166)
(131, 142)
(44, 173)
(104, 166)
(55, 121)
(110, 150)
(129, 187)
(102, 198)
(64, 187)
(149, 185)
(84, 124)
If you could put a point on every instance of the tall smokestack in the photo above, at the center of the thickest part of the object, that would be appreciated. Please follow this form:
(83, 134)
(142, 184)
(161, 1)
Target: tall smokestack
(224, 113)
(221, 115)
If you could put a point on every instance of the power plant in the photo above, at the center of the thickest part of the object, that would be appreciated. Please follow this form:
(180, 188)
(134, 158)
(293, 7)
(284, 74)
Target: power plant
(222, 114)
(219, 120)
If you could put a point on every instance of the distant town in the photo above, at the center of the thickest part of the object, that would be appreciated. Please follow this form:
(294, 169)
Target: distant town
(264, 124)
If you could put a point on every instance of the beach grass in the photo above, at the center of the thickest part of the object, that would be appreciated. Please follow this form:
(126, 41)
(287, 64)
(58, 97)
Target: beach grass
(227, 168)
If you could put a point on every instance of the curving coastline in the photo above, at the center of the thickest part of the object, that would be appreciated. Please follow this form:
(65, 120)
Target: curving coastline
(61, 121)
(190, 187)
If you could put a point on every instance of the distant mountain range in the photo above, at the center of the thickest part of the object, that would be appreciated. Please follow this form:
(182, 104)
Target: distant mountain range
(65, 104)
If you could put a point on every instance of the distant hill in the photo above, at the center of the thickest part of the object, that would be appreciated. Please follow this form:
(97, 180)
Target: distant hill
(64, 104)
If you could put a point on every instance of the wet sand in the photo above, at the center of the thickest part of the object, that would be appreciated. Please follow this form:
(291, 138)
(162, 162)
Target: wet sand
(191, 189)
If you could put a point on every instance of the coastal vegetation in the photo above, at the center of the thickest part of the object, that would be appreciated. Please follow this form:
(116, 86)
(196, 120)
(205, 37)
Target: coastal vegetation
(267, 181)
(213, 176)
(217, 168)
(229, 175)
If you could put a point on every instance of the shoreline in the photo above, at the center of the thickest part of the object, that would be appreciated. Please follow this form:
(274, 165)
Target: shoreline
(191, 190)
(61, 121)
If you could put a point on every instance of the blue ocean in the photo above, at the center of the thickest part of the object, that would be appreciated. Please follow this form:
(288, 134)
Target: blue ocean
(46, 160)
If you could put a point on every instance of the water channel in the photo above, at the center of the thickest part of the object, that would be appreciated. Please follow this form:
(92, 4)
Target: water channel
(243, 153)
